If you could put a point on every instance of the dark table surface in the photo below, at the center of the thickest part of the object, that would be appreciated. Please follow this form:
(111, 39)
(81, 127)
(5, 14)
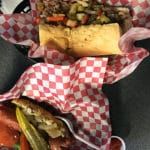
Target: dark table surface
(130, 105)
(129, 98)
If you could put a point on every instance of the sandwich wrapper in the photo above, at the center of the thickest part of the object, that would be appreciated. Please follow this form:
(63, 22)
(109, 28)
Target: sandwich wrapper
(75, 86)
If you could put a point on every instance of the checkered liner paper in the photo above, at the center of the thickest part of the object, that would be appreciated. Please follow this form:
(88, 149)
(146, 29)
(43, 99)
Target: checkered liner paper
(74, 86)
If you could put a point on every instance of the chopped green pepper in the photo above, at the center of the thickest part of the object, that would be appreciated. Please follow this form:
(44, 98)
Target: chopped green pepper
(79, 16)
(80, 8)
(35, 139)
(103, 19)
(73, 8)
(16, 146)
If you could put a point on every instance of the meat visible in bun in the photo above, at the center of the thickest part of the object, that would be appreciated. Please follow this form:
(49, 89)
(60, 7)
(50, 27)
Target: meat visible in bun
(31, 127)
(70, 26)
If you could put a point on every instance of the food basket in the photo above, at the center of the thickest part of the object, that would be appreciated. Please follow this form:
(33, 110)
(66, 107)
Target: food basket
(74, 86)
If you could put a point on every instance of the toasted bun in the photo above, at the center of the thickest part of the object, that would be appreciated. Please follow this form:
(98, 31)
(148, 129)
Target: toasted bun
(90, 40)
(42, 119)
(56, 37)
(94, 40)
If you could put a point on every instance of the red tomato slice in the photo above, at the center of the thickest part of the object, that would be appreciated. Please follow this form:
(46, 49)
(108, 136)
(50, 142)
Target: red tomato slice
(8, 136)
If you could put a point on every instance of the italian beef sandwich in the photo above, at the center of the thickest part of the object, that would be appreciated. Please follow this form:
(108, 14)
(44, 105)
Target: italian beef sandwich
(30, 125)
(82, 27)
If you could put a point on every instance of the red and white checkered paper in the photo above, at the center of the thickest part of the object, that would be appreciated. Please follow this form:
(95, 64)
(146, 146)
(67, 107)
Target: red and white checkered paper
(118, 67)
(72, 89)
(74, 86)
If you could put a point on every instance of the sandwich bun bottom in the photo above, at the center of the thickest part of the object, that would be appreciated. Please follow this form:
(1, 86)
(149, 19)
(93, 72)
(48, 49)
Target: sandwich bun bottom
(89, 40)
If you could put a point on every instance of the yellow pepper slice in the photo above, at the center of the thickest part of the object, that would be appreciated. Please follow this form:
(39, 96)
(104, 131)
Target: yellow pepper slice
(35, 139)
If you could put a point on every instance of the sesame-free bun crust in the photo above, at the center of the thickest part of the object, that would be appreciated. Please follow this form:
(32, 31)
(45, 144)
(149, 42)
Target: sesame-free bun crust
(89, 40)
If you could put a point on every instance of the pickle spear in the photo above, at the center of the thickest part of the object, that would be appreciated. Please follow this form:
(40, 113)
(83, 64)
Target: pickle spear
(35, 139)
